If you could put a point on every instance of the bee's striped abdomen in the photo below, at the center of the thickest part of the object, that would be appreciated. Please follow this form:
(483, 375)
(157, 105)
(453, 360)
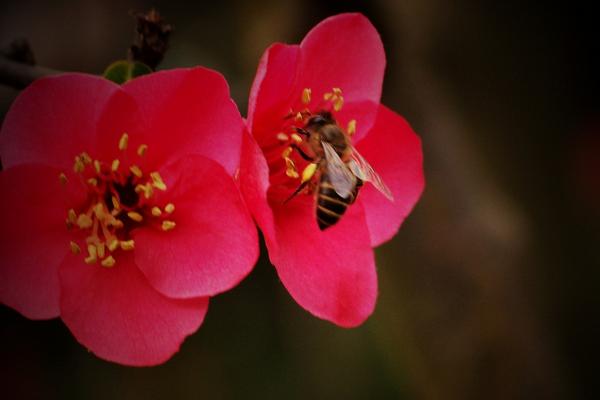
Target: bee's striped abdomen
(330, 205)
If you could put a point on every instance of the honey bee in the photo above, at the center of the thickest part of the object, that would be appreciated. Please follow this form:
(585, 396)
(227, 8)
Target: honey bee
(340, 167)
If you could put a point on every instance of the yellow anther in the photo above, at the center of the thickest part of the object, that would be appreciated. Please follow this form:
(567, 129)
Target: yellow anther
(85, 158)
(337, 91)
(156, 211)
(108, 262)
(282, 137)
(75, 249)
(123, 141)
(327, 96)
(93, 181)
(78, 166)
(136, 171)
(309, 172)
(291, 170)
(115, 203)
(169, 208)
(93, 255)
(145, 189)
(338, 103)
(306, 95)
(100, 249)
(137, 217)
(72, 216)
(296, 138)
(127, 244)
(63, 179)
(97, 166)
(142, 150)
(99, 210)
(113, 243)
(84, 221)
(117, 223)
(286, 153)
(351, 127)
(299, 117)
(157, 181)
(115, 165)
(167, 225)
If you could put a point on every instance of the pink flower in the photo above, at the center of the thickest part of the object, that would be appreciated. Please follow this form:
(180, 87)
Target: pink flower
(119, 210)
(338, 68)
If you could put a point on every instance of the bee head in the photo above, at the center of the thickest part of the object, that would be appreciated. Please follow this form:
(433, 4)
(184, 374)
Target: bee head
(320, 119)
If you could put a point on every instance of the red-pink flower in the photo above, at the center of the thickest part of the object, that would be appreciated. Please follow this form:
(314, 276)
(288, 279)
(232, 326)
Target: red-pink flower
(338, 68)
(119, 209)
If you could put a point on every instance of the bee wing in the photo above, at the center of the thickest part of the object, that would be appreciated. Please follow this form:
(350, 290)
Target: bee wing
(363, 171)
(341, 177)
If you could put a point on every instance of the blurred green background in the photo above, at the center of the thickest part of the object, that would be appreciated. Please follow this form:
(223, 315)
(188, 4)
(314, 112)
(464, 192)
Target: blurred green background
(489, 291)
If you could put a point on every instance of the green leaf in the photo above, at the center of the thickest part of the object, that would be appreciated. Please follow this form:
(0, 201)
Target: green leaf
(122, 71)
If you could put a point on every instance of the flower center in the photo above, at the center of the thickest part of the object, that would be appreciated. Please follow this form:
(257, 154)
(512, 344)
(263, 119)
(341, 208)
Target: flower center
(300, 142)
(119, 199)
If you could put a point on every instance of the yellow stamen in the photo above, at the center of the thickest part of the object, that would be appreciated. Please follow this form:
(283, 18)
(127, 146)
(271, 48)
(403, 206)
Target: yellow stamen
(63, 179)
(351, 127)
(85, 158)
(306, 95)
(115, 203)
(309, 172)
(286, 153)
(108, 262)
(127, 244)
(338, 103)
(93, 181)
(136, 171)
(137, 217)
(123, 142)
(167, 225)
(72, 216)
(327, 96)
(157, 181)
(115, 165)
(78, 166)
(296, 138)
(75, 249)
(99, 211)
(113, 243)
(299, 117)
(142, 150)
(117, 223)
(146, 189)
(169, 208)
(97, 166)
(337, 91)
(282, 137)
(84, 221)
(100, 249)
(291, 170)
(93, 256)
(156, 211)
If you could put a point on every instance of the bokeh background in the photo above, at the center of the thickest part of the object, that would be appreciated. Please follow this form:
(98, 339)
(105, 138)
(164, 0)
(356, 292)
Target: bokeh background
(490, 289)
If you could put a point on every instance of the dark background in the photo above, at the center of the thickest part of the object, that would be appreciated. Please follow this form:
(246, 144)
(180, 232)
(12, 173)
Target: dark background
(490, 290)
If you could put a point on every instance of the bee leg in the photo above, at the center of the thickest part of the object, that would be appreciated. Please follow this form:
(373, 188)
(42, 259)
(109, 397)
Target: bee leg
(302, 131)
(298, 190)
(302, 153)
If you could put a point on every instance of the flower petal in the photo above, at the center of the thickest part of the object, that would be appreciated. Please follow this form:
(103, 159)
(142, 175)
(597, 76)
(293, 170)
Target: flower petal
(272, 89)
(394, 151)
(33, 239)
(254, 183)
(188, 111)
(118, 316)
(330, 273)
(54, 119)
(214, 244)
(343, 51)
